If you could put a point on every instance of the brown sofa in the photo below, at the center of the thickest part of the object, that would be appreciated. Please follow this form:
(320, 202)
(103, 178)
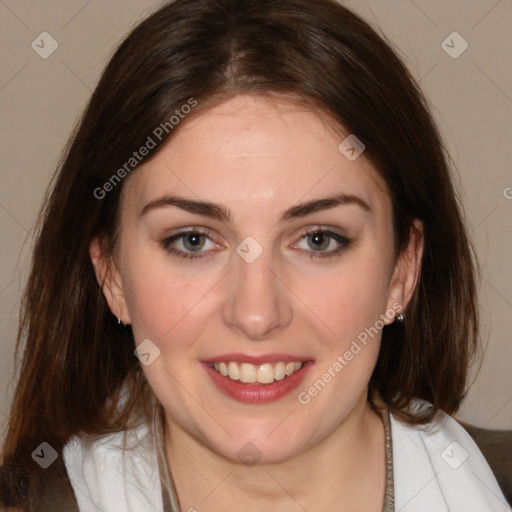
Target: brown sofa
(496, 445)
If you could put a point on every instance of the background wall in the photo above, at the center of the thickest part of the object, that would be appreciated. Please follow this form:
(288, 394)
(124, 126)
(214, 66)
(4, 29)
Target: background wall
(470, 91)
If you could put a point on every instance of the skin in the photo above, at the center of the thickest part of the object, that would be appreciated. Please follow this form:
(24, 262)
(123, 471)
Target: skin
(257, 157)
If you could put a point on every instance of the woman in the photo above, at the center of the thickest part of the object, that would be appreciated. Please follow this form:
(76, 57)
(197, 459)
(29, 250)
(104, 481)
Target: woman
(185, 353)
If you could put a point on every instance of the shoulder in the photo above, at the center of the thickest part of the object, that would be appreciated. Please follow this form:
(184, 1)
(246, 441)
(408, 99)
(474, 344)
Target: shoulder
(118, 470)
(440, 465)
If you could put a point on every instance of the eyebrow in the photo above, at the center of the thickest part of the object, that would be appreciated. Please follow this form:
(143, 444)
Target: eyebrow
(219, 212)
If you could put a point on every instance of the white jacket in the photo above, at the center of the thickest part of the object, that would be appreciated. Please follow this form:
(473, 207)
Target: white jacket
(437, 468)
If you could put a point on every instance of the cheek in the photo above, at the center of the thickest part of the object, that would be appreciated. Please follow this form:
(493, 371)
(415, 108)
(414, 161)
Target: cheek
(169, 312)
(350, 307)
(350, 299)
(163, 305)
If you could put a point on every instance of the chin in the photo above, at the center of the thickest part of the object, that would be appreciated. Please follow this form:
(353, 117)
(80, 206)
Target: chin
(269, 443)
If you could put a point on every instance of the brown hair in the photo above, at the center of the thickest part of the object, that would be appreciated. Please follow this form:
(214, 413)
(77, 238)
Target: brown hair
(76, 358)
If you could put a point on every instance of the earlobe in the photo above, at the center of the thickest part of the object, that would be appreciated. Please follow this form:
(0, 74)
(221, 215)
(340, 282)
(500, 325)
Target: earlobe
(110, 281)
(407, 270)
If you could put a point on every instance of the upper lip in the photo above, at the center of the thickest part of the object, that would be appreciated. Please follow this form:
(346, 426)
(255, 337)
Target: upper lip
(264, 358)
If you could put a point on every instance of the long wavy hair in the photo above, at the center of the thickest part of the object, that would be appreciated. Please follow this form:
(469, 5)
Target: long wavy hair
(75, 359)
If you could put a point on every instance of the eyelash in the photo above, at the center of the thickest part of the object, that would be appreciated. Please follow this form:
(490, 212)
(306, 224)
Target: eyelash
(341, 239)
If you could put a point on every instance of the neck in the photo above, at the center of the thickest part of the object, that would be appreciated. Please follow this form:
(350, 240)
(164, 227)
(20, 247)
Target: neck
(344, 471)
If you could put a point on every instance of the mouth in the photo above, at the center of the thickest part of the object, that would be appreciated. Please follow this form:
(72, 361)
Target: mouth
(262, 374)
(259, 381)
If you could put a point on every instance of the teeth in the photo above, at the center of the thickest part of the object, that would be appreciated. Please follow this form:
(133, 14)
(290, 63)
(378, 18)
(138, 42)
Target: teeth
(280, 371)
(233, 371)
(247, 372)
(264, 373)
(222, 368)
(290, 368)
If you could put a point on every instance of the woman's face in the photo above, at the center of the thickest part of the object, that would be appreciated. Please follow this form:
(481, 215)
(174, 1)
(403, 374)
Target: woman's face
(251, 289)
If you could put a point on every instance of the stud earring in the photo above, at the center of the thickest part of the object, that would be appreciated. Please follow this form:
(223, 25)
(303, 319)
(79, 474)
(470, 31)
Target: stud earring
(400, 317)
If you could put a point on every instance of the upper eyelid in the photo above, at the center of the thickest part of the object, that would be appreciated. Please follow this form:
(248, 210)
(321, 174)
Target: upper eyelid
(301, 232)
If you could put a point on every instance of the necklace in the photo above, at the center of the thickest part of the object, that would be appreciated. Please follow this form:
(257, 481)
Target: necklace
(170, 497)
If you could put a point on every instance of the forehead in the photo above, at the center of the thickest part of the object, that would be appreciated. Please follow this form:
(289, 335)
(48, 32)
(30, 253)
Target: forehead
(258, 151)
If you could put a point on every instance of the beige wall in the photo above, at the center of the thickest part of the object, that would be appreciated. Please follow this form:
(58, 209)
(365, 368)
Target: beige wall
(40, 99)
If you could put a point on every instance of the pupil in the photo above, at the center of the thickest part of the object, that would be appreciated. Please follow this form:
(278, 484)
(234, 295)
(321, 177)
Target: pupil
(318, 237)
(194, 239)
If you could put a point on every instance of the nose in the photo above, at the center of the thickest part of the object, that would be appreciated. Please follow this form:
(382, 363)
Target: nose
(258, 302)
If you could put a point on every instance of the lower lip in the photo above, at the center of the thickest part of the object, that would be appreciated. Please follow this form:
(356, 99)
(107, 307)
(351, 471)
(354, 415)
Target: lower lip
(258, 393)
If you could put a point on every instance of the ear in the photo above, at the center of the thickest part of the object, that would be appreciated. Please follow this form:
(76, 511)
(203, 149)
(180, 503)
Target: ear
(109, 279)
(407, 270)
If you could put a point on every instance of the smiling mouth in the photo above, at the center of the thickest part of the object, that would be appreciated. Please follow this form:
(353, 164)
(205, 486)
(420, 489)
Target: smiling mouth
(265, 373)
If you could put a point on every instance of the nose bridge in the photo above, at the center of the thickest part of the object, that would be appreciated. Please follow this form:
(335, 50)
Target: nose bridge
(257, 302)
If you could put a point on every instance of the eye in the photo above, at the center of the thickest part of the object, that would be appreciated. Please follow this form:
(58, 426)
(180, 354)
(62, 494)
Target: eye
(193, 241)
(321, 239)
